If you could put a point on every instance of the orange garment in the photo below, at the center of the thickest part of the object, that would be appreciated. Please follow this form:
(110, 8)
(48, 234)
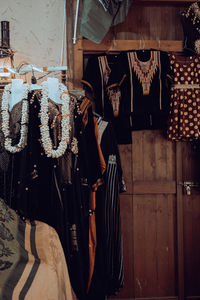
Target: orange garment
(92, 207)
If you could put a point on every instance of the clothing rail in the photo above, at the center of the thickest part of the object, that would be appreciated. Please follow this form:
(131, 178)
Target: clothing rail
(31, 68)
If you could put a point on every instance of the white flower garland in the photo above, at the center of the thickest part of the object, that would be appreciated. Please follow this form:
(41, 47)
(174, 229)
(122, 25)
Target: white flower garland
(65, 122)
(6, 117)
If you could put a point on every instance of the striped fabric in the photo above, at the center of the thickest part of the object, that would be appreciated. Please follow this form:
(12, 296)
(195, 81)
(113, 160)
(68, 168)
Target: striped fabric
(114, 255)
(32, 262)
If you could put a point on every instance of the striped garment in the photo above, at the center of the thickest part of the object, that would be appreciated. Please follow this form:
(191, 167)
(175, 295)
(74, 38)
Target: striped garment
(32, 262)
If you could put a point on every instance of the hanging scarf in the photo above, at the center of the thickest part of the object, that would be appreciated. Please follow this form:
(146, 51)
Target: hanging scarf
(99, 15)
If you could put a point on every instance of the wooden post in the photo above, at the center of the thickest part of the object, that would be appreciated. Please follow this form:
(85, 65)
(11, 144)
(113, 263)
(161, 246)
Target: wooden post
(69, 46)
(78, 64)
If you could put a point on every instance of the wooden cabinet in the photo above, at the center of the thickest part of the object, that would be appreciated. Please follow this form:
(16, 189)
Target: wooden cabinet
(161, 222)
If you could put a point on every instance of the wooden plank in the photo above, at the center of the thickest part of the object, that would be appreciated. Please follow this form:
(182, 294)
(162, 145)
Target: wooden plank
(154, 255)
(148, 158)
(154, 187)
(139, 246)
(153, 156)
(78, 66)
(191, 215)
(170, 160)
(137, 149)
(126, 162)
(192, 245)
(141, 23)
(180, 244)
(191, 161)
(165, 245)
(118, 45)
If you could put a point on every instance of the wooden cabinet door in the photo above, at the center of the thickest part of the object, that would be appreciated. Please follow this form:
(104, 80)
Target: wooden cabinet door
(160, 222)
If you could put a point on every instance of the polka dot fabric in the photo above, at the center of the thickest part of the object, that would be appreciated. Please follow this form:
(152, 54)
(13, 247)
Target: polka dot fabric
(184, 114)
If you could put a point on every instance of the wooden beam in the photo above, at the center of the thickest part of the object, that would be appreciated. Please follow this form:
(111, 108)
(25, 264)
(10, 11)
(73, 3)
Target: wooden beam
(78, 65)
(154, 187)
(88, 46)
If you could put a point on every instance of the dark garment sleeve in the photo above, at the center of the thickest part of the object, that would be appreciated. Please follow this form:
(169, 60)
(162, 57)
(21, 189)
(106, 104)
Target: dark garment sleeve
(88, 150)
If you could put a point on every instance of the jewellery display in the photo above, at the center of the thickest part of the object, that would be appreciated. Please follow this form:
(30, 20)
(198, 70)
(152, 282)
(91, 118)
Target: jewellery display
(65, 122)
(6, 117)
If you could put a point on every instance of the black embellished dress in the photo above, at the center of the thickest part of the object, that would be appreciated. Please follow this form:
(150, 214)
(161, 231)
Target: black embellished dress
(141, 78)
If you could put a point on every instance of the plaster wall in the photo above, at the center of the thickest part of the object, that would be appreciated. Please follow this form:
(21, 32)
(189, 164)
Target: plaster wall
(36, 31)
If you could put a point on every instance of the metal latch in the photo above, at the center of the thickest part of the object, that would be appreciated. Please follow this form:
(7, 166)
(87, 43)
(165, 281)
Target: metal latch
(188, 185)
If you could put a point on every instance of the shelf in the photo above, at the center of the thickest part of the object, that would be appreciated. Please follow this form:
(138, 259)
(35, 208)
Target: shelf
(119, 45)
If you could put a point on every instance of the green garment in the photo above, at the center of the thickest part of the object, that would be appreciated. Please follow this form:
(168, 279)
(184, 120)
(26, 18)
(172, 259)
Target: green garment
(96, 21)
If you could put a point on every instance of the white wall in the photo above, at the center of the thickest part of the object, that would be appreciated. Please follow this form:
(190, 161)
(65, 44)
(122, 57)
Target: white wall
(36, 30)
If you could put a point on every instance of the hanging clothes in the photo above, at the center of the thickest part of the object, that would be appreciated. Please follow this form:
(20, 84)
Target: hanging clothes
(190, 19)
(87, 178)
(57, 191)
(35, 182)
(184, 115)
(98, 16)
(92, 208)
(108, 272)
(32, 263)
(95, 79)
(141, 77)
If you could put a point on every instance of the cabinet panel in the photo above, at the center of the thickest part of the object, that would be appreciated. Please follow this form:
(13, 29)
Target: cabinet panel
(154, 254)
(153, 156)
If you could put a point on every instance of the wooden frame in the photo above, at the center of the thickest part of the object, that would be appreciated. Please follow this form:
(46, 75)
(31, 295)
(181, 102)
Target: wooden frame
(85, 46)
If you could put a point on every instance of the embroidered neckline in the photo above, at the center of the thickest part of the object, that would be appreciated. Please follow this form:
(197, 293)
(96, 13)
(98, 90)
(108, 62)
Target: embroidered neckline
(145, 71)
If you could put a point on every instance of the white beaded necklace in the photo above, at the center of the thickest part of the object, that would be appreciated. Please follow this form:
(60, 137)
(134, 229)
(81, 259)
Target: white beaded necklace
(6, 117)
(65, 122)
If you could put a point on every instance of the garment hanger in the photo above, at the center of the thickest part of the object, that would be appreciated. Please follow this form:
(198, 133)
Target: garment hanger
(34, 86)
(16, 94)
(53, 89)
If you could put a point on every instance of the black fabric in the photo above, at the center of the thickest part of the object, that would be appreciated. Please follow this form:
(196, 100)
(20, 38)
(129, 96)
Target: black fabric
(86, 173)
(88, 152)
(34, 177)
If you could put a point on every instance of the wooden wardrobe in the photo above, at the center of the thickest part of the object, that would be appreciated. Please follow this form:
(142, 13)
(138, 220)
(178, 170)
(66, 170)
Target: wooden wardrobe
(161, 209)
